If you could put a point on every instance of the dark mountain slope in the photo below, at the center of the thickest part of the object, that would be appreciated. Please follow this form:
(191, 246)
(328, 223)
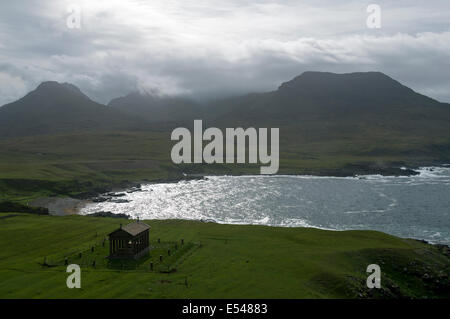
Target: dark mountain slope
(370, 88)
(330, 124)
(59, 107)
(338, 97)
(356, 114)
(353, 103)
(158, 109)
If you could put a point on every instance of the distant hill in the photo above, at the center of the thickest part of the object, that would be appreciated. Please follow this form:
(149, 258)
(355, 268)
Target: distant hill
(60, 107)
(322, 105)
(330, 124)
(356, 114)
(158, 109)
(323, 95)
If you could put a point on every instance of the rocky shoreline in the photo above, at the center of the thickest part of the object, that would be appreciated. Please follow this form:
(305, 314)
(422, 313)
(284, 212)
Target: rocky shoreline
(71, 205)
(59, 206)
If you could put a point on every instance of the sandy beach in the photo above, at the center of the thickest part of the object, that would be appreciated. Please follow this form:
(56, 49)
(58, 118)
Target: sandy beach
(60, 206)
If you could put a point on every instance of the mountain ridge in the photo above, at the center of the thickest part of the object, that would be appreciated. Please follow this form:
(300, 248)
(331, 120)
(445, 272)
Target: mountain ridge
(328, 95)
(157, 108)
(59, 107)
(341, 101)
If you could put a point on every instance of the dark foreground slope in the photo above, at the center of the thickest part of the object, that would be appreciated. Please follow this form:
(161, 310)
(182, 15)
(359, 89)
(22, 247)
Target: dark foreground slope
(216, 261)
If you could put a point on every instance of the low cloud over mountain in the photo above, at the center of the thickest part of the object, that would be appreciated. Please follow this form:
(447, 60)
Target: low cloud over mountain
(220, 48)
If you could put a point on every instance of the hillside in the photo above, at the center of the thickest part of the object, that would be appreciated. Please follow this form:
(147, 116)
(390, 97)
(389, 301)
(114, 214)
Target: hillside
(357, 114)
(216, 261)
(342, 101)
(60, 107)
(156, 109)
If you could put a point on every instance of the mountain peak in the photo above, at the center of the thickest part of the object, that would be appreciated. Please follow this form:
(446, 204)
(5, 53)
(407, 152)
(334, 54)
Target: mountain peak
(60, 107)
(48, 84)
(54, 86)
(349, 88)
(340, 79)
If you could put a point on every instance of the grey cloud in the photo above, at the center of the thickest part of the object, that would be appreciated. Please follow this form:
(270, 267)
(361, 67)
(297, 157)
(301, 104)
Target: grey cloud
(216, 48)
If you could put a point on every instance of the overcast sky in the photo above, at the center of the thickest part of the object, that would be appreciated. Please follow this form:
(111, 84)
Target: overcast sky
(218, 47)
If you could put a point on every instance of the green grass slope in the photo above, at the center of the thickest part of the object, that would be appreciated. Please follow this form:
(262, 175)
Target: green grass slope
(216, 261)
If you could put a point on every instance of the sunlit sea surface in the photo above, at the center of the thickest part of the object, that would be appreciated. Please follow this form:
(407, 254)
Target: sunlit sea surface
(415, 206)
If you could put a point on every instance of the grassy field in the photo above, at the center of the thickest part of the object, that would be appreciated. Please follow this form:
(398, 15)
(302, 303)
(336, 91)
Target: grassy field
(216, 261)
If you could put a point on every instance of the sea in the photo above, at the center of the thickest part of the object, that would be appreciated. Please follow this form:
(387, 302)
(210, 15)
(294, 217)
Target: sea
(407, 206)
